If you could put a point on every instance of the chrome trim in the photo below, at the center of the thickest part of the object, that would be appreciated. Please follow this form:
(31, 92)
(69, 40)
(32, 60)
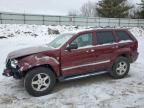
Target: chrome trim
(73, 67)
(95, 46)
(86, 75)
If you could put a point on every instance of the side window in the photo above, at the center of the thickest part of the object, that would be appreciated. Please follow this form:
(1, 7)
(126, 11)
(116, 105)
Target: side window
(83, 40)
(122, 35)
(104, 37)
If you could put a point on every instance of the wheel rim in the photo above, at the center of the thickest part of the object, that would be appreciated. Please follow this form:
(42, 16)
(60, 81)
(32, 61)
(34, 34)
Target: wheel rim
(121, 68)
(40, 82)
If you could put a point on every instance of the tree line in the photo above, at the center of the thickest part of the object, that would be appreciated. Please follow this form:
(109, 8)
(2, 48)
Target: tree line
(110, 9)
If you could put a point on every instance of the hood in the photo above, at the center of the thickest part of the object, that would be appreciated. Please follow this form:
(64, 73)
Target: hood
(28, 51)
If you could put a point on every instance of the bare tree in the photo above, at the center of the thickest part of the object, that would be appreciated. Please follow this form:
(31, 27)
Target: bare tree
(88, 9)
(134, 13)
(73, 13)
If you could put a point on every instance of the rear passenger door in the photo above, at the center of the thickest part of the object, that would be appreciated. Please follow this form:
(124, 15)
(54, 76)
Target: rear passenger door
(105, 48)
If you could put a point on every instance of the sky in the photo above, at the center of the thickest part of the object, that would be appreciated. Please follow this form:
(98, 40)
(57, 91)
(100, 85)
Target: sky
(51, 7)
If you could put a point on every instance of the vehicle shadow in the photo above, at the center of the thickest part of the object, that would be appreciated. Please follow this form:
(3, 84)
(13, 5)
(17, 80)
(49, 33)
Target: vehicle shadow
(84, 81)
(18, 85)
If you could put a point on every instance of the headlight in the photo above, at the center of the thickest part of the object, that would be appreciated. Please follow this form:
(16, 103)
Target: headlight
(14, 63)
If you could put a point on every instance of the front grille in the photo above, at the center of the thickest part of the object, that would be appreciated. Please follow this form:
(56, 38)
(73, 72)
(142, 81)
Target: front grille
(14, 71)
(8, 64)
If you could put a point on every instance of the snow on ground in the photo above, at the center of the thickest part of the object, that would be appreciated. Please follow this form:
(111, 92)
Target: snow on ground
(93, 92)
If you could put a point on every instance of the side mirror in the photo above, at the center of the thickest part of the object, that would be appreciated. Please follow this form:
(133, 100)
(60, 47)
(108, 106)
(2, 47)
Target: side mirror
(72, 46)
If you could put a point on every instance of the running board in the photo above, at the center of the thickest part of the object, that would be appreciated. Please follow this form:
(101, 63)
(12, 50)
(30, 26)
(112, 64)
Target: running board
(81, 76)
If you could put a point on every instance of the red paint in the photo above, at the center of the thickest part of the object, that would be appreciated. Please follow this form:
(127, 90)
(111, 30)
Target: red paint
(61, 59)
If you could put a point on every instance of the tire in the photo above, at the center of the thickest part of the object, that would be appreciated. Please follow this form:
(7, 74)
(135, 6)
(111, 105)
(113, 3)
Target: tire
(120, 68)
(39, 81)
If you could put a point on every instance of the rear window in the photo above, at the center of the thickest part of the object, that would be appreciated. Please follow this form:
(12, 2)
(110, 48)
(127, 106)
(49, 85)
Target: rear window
(105, 37)
(122, 35)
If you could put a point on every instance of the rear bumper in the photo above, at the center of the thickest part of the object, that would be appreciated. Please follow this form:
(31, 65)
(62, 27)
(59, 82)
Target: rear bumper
(135, 56)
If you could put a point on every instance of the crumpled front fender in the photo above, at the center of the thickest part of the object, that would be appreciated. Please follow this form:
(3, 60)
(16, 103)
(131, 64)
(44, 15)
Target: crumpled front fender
(32, 61)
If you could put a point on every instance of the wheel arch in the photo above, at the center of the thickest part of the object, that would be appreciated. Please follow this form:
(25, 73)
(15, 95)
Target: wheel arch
(43, 65)
(126, 55)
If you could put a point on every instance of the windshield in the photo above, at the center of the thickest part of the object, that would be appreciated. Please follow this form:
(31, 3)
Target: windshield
(60, 40)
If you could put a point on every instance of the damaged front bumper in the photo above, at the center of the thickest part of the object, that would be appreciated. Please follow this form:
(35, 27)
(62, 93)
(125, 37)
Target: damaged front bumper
(12, 70)
(7, 73)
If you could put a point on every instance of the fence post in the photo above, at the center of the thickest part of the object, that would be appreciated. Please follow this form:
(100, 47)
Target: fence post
(59, 20)
(119, 23)
(95, 21)
(87, 21)
(99, 22)
(24, 18)
(109, 22)
(0, 18)
(138, 21)
(73, 19)
(43, 20)
(129, 22)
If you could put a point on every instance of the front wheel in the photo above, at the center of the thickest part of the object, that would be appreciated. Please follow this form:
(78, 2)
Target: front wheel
(39, 81)
(120, 68)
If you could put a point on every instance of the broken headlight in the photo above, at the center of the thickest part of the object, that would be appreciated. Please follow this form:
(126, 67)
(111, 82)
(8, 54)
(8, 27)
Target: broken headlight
(14, 63)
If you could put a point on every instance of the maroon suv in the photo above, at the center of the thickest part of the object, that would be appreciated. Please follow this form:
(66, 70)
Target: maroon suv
(72, 56)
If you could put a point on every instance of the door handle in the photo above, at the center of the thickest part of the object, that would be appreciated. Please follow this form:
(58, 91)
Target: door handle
(92, 50)
(115, 47)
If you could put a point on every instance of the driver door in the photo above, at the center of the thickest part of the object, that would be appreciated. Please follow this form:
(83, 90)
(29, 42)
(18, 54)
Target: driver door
(80, 60)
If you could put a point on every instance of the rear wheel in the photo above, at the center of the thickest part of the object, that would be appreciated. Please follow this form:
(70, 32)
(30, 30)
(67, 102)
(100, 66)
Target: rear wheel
(39, 81)
(120, 68)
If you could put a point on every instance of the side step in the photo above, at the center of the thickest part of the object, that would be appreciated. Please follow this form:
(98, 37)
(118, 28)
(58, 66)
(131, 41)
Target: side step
(81, 76)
